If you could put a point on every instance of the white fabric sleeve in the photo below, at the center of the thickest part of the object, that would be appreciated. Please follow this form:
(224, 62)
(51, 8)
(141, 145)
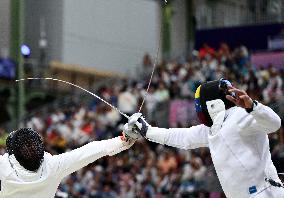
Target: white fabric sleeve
(183, 138)
(76, 159)
(261, 119)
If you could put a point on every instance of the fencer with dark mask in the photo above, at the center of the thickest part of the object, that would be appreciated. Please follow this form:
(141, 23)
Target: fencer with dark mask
(27, 171)
(235, 128)
(26, 147)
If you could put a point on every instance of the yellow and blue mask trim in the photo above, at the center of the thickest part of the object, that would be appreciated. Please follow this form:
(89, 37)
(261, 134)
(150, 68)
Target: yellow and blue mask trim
(197, 100)
(198, 108)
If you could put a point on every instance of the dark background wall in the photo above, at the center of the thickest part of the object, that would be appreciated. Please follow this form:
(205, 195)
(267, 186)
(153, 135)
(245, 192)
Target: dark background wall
(254, 37)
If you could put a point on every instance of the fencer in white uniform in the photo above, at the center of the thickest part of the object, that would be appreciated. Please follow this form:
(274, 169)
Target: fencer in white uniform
(27, 171)
(237, 139)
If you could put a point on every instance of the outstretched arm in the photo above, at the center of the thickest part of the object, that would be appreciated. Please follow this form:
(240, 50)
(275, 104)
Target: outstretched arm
(184, 138)
(261, 118)
(74, 160)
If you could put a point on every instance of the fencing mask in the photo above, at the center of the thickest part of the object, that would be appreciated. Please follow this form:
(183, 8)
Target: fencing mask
(27, 147)
(211, 90)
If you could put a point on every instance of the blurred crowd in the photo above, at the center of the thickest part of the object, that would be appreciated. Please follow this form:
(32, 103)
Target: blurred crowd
(149, 170)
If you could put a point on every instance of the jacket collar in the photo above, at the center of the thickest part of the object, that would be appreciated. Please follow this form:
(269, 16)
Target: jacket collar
(24, 174)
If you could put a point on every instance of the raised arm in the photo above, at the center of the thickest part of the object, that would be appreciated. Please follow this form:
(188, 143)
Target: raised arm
(261, 118)
(74, 160)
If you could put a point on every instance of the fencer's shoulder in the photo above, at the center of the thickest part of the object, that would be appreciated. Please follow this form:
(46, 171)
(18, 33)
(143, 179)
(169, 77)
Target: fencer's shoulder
(50, 161)
(48, 158)
(47, 155)
(236, 111)
(5, 167)
(234, 114)
(4, 158)
(201, 126)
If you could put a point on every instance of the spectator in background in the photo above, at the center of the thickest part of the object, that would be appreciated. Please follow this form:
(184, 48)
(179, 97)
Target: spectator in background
(167, 163)
(206, 51)
(241, 55)
(253, 88)
(111, 116)
(273, 91)
(65, 130)
(223, 53)
(189, 84)
(198, 169)
(56, 117)
(162, 93)
(150, 102)
(36, 123)
(127, 101)
(263, 77)
(146, 69)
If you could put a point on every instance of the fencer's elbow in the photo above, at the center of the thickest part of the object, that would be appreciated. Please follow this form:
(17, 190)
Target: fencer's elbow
(276, 124)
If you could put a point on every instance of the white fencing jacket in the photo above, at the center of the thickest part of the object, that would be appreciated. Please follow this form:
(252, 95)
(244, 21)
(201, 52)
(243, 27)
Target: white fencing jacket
(17, 182)
(239, 148)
